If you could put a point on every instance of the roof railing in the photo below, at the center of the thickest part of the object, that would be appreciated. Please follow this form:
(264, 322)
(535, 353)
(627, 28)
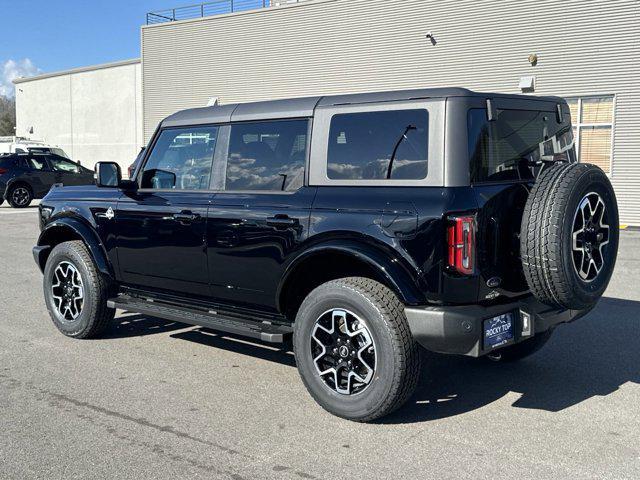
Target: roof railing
(208, 9)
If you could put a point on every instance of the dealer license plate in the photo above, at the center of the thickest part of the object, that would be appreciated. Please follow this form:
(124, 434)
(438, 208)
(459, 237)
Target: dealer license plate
(498, 331)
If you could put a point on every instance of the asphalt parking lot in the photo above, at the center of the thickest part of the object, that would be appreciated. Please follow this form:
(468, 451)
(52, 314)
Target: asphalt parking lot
(156, 399)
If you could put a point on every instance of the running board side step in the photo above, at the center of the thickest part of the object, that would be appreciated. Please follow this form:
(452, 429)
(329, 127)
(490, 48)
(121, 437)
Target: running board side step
(260, 330)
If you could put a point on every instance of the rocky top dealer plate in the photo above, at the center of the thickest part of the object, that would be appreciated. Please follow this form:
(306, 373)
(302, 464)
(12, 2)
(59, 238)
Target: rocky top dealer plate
(499, 331)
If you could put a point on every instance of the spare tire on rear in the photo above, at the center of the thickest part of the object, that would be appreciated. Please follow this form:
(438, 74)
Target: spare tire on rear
(569, 235)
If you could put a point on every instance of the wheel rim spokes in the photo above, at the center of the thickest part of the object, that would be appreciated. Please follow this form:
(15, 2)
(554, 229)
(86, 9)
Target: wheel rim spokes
(590, 236)
(343, 351)
(20, 196)
(67, 291)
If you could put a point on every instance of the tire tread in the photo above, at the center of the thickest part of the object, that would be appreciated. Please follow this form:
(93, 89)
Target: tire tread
(100, 315)
(542, 235)
(405, 349)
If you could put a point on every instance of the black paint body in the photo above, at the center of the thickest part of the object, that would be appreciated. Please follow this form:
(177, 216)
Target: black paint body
(253, 252)
(230, 253)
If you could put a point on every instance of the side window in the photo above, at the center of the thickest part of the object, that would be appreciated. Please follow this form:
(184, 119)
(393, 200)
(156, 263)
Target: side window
(181, 159)
(379, 145)
(267, 155)
(36, 163)
(59, 164)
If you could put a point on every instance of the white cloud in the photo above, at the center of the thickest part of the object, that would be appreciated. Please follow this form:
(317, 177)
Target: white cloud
(12, 69)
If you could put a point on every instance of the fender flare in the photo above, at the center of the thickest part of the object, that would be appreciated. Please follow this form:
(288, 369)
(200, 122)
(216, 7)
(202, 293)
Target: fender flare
(9, 185)
(394, 269)
(80, 229)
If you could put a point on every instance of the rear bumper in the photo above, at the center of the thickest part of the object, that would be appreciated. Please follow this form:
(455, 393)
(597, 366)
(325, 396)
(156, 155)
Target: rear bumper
(458, 329)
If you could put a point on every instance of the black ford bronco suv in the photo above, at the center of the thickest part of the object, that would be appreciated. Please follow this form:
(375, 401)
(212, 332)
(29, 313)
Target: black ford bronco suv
(360, 226)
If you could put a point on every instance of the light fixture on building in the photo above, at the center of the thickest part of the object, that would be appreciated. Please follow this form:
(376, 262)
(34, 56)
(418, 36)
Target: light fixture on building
(527, 84)
(431, 38)
(213, 102)
(533, 59)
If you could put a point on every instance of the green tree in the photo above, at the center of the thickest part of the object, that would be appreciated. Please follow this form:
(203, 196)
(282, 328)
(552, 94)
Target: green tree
(7, 116)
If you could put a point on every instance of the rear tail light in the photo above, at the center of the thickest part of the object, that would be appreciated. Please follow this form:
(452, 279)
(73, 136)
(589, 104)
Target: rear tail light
(461, 244)
(3, 171)
(131, 170)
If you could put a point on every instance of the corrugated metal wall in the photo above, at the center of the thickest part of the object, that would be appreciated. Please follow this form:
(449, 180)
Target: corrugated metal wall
(338, 46)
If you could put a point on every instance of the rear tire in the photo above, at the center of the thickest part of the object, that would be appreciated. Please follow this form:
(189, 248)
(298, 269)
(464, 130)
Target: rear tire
(521, 350)
(379, 368)
(569, 235)
(75, 292)
(20, 196)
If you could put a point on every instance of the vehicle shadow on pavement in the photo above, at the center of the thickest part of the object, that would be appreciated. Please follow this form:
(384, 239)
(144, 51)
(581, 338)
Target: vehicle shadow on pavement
(136, 325)
(9, 208)
(265, 351)
(592, 357)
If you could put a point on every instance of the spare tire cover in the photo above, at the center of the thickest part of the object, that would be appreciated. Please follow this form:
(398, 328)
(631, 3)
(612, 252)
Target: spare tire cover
(569, 235)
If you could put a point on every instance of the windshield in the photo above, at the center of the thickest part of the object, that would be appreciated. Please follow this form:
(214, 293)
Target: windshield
(516, 143)
(61, 152)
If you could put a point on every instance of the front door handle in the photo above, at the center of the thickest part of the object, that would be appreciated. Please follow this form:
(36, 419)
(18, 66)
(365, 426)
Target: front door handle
(282, 221)
(186, 217)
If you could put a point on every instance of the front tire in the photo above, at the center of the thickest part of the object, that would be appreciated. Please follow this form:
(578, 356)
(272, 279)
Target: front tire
(354, 349)
(75, 292)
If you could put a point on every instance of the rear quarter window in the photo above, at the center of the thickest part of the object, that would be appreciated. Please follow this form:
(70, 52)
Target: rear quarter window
(379, 145)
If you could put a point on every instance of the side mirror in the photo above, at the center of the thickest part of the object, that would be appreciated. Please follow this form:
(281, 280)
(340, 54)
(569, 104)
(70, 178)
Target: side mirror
(159, 179)
(108, 175)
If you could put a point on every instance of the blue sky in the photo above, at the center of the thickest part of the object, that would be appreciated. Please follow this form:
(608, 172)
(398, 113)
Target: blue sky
(49, 35)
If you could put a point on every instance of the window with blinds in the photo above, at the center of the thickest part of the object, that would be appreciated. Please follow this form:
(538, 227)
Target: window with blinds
(592, 119)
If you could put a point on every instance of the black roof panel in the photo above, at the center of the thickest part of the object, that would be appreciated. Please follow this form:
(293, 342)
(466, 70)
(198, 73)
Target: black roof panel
(304, 107)
(197, 116)
(289, 108)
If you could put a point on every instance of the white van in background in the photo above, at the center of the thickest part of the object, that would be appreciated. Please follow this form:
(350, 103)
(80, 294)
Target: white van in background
(24, 145)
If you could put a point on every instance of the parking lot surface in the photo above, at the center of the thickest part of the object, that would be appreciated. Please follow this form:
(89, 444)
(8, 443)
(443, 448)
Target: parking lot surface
(157, 399)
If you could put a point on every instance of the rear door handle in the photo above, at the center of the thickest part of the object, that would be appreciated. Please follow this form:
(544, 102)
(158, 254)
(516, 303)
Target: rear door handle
(186, 217)
(282, 222)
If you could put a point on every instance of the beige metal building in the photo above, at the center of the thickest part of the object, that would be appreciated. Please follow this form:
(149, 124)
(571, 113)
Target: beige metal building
(93, 113)
(582, 50)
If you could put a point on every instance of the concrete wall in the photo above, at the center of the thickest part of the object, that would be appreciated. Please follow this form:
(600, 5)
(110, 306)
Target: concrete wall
(94, 113)
(339, 46)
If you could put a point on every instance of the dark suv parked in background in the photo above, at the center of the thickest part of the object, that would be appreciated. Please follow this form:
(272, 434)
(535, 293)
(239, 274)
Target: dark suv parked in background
(361, 226)
(27, 176)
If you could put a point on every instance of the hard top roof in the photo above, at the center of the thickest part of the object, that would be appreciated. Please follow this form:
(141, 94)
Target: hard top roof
(305, 107)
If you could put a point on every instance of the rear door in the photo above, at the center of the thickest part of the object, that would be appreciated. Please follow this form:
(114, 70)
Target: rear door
(38, 173)
(161, 227)
(505, 155)
(260, 214)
